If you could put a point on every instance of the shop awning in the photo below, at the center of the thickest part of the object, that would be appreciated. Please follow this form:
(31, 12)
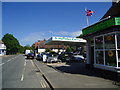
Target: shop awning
(65, 41)
(101, 25)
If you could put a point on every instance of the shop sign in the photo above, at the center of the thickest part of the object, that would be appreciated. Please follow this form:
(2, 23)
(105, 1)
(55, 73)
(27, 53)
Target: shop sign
(101, 25)
(117, 21)
(65, 39)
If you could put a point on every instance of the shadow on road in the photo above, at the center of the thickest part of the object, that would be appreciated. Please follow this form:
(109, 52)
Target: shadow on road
(79, 68)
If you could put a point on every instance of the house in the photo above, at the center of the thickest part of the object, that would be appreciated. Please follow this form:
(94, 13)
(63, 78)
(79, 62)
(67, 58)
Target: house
(41, 47)
(2, 48)
(103, 41)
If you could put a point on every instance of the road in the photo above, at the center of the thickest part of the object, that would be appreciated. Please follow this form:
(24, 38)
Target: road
(18, 72)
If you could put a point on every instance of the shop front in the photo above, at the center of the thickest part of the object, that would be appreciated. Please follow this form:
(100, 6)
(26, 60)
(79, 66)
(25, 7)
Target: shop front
(103, 44)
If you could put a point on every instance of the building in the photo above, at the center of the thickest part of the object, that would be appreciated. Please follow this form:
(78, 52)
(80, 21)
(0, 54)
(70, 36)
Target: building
(2, 48)
(41, 47)
(103, 41)
(79, 43)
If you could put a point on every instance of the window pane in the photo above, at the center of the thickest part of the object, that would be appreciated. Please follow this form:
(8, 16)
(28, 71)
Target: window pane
(99, 42)
(99, 57)
(118, 40)
(110, 41)
(110, 57)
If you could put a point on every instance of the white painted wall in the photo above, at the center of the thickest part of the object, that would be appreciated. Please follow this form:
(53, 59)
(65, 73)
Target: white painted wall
(2, 49)
(41, 50)
(55, 50)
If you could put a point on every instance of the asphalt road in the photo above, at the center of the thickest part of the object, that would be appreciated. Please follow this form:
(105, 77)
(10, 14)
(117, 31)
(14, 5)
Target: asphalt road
(18, 72)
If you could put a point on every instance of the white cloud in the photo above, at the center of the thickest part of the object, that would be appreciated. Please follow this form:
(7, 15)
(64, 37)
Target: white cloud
(67, 34)
(32, 38)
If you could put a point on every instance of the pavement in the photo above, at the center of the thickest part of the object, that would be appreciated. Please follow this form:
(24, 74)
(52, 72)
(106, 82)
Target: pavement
(73, 75)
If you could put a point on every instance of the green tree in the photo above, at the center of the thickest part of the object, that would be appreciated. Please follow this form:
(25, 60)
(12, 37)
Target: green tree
(11, 43)
(21, 49)
(28, 47)
(47, 50)
(71, 49)
(68, 49)
(81, 36)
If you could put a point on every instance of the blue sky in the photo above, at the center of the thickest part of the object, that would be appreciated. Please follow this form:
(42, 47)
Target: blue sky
(33, 21)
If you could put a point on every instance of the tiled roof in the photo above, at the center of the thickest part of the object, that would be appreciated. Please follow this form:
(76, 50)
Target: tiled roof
(114, 11)
(40, 44)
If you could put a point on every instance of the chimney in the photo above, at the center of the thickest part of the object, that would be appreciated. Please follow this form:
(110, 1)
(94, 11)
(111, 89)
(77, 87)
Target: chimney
(114, 2)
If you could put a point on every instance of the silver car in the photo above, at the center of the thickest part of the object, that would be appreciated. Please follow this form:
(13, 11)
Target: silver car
(52, 58)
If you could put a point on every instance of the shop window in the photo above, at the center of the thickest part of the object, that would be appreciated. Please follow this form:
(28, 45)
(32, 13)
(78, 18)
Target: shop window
(118, 40)
(99, 42)
(110, 57)
(99, 57)
(109, 41)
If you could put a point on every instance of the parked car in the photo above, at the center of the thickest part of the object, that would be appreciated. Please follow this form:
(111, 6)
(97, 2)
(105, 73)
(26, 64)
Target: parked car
(65, 57)
(30, 55)
(77, 57)
(43, 57)
(27, 51)
(39, 57)
(52, 58)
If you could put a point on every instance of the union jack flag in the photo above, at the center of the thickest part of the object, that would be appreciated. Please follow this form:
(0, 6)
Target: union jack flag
(89, 12)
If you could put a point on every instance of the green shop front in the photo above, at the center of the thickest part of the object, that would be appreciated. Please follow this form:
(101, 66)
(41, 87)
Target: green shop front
(103, 44)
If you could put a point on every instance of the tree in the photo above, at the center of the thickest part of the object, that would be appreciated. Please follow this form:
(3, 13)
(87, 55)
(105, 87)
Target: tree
(21, 49)
(81, 36)
(47, 50)
(11, 43)
(33, 46)
(71, 49)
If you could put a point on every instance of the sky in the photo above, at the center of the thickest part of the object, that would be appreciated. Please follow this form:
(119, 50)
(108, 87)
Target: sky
(33, 21)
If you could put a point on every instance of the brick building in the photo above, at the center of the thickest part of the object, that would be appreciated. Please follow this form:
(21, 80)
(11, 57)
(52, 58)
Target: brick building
(41, 47)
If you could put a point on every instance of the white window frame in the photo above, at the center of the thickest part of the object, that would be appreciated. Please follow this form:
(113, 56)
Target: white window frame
(116, 49)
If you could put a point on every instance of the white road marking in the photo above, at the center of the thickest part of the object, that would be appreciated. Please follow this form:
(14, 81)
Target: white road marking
(25, 64)
(22, 78)
(32, 63)
(2, 64)
(42, 84)
(9, 60)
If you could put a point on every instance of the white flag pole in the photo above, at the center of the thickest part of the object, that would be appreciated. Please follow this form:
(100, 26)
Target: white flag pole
(86, 18)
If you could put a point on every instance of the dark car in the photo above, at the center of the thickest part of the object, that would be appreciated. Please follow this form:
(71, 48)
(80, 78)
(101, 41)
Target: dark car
(77, 57)
(65, 57)
(39, 57)
(30, 55)
(43, 57)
